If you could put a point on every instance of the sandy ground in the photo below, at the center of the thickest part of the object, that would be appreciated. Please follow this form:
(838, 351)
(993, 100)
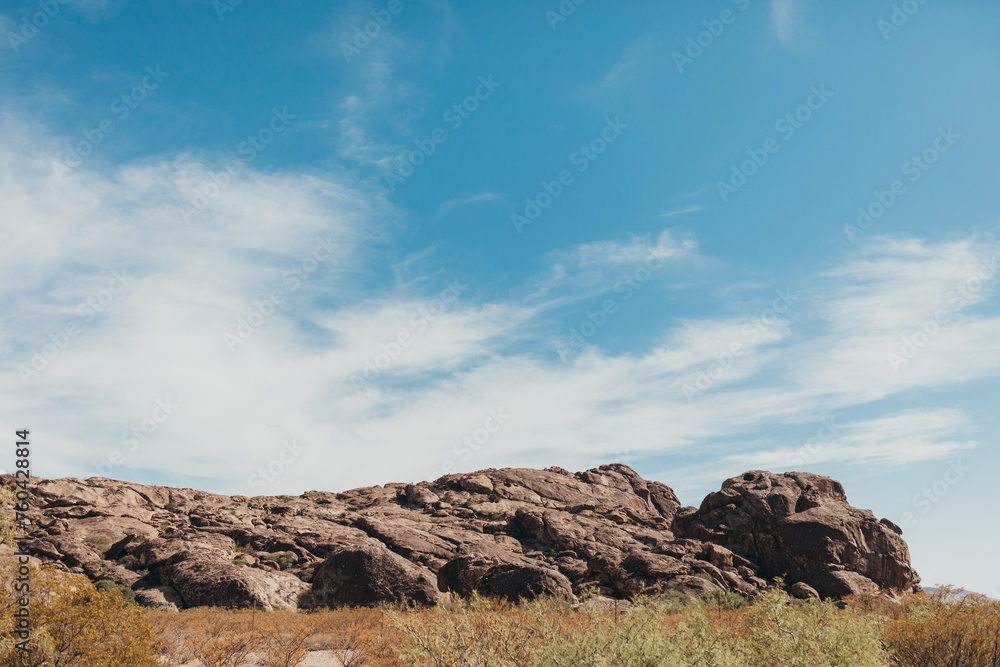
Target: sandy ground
(314, 659)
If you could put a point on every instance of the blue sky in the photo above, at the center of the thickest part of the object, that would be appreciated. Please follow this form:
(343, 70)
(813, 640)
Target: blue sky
(252, 249)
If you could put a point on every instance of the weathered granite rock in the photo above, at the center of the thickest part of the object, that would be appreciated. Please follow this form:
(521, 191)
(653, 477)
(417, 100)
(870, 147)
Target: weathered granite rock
(801, 527)
(509, 532)
(514, 581)
(369, 575)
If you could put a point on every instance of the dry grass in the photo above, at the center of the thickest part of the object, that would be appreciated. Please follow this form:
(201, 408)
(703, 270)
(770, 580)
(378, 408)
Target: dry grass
(942, 631)
(78, 625)
(222, 637)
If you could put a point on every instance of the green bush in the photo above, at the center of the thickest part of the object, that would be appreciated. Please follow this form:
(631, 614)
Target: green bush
(129, 561)
(660, 631)
(98, 543)
(284, 561)
(725, 599)
(105, 585)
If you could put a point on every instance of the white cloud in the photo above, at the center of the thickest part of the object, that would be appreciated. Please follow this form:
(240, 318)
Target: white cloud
(163, 337)
(460, 202)
(684, 210)
(788, 24)
(904, 438)
(637, 251)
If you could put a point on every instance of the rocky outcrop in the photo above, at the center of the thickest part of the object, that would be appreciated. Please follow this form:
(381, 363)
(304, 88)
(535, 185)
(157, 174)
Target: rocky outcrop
(368, 575)
(800, 526)
(512, 581)
(512, 532)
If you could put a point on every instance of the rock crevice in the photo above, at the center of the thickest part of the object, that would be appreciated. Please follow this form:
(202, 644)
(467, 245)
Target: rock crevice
(510, 532)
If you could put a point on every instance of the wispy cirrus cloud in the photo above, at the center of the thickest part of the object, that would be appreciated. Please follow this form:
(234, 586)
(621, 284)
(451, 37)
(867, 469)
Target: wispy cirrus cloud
(684, 210)
(788, 23)
(453, 205)
(632, 57)
(636, 251)
(896, 440)
(435, 364)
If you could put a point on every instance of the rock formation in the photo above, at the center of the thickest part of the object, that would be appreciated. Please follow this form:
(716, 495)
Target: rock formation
(514, 533)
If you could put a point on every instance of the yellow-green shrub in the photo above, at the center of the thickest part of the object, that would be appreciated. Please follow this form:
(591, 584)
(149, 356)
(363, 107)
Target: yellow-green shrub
(942, 631)
(73, 624)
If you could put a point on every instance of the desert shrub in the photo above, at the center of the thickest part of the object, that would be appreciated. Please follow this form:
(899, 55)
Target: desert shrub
(9, 530)
(360, 637)
(725, 599)
(466, 632)
(129, 561)
(284, 561)
(73, 623)
(778, 630)
(942, 630)
(98, 543)
(105, 585)
(657, 631)
(171, 506)
(357, 637)
(221, 638)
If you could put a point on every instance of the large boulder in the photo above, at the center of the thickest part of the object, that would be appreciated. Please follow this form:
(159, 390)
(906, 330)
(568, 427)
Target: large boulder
(464, 574)
(801, 527)
(160, 598)
(514, 581)
(690, 585)
(202, 580)
(369, 575)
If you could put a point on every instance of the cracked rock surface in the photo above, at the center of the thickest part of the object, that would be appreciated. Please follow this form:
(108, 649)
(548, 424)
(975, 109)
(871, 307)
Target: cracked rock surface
(510, 532)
